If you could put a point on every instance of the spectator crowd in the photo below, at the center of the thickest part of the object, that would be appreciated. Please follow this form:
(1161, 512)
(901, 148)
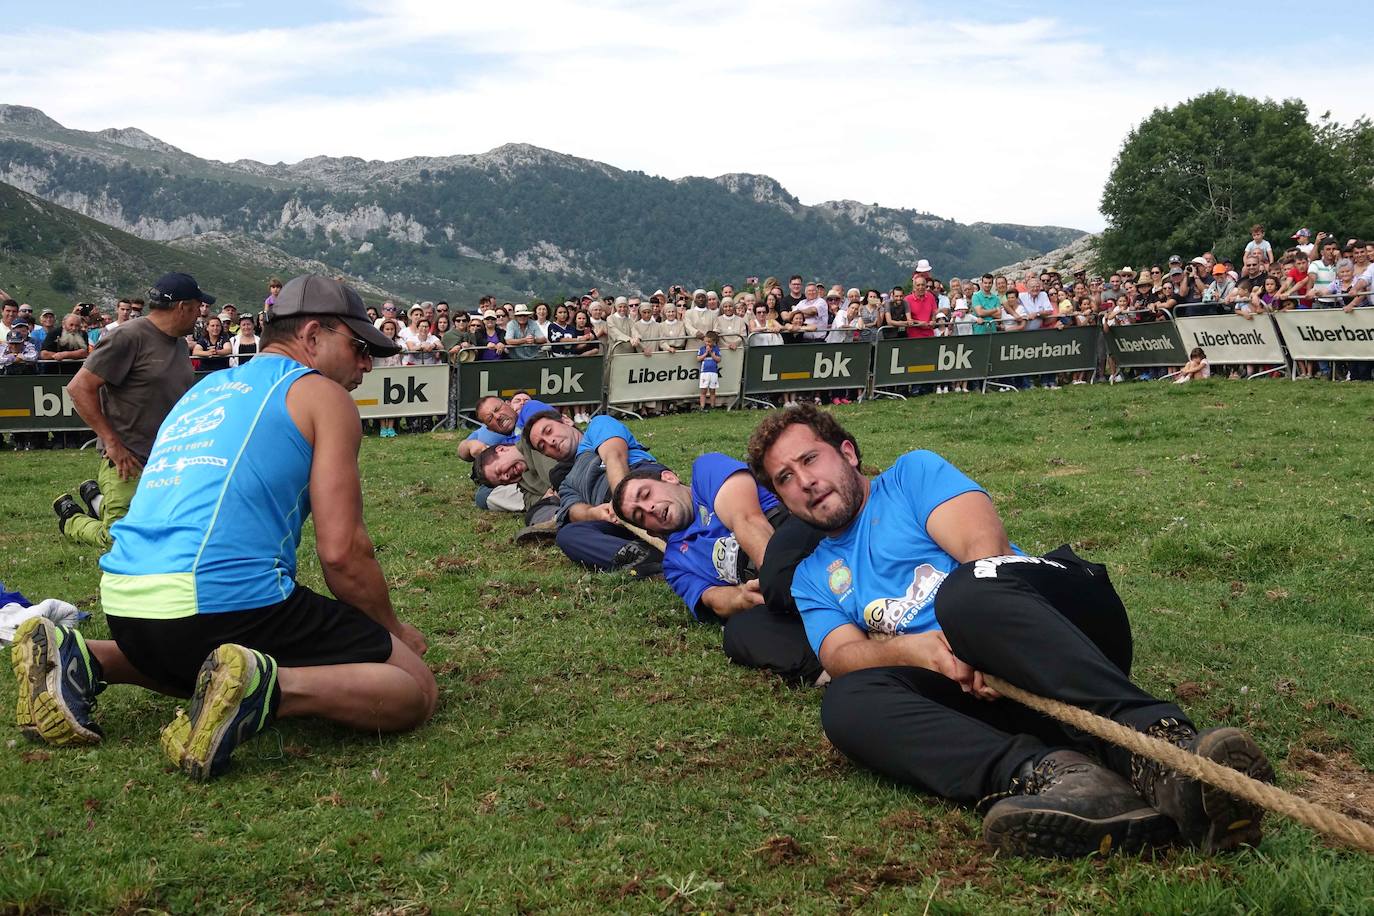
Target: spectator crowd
(1313, 272)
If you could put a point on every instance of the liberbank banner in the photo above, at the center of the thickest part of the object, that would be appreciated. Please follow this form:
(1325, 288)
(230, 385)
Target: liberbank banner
(634, 378)
(1038, 352)
(35, 403)
(403, 391)
(1328, 333)
(562, 380)
(807, 367)
(918, 360)
(1232, 339)
(1139, 345)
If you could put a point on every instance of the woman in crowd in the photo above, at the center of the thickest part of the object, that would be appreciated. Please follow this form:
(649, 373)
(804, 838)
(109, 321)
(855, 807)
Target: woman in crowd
(490, 338)
(671, 331)
(583, 336)
(873, 314)
(390, 328)
(558, 330)
(442, 325)
(214, 348)
(542, 321)
(245, 342)
(422, 346)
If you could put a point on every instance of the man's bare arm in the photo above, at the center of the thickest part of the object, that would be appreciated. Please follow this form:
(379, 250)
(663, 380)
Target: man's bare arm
(84, 389)
(968, 527)
(737, 507)
(615, 455)
(346, 554)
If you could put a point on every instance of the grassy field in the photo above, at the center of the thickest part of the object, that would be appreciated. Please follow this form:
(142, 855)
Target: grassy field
(593, 751)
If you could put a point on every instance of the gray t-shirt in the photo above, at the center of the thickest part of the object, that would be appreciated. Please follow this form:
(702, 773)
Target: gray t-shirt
(146, 372)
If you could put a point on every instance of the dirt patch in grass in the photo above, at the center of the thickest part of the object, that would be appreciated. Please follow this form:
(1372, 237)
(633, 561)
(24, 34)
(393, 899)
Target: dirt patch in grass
(1067, 470)
(1190, 691)
(1336, 781)
(782, 850)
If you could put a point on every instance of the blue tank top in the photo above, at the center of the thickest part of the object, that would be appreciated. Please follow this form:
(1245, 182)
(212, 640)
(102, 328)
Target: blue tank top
(216, 521)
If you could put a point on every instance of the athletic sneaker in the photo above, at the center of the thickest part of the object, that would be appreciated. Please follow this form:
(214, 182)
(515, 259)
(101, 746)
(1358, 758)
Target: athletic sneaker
(236, 698)
(66, 509)
(89, 491)
(1068, 805)
(57, 682)
(1207, 817)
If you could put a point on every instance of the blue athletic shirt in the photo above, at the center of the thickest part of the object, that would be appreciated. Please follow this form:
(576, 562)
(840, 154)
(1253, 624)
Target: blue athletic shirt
(882, 573)
(709, 364)
(705, 554)
(216, 520)
(603, 428)
(489, 437)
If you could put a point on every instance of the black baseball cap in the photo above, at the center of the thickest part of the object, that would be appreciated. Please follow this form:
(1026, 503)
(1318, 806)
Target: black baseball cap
(14, 337)
(313, 294)
(178, 287)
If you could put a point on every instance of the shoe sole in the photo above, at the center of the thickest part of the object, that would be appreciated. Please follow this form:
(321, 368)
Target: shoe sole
(1041, 833)
(536, 534)
(40, 711)
(192, 741)
(1232, 822)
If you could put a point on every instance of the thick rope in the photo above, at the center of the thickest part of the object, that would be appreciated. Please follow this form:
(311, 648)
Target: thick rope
(1332, 823)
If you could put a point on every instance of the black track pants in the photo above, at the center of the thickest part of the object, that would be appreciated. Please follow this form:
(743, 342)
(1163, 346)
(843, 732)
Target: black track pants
(1054, 628)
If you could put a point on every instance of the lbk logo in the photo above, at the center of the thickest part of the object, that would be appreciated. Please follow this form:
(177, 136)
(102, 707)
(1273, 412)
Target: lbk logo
(46, 404)
(835, 365)
(563, 380)
(404, 391)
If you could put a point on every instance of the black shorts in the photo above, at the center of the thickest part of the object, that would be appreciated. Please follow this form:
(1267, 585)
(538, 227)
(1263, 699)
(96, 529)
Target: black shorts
(305, 630)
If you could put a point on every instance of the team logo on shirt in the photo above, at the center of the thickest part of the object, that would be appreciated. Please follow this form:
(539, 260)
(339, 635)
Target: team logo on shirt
(891, 615)
(704, 515)
(840, 577)
(725, 558)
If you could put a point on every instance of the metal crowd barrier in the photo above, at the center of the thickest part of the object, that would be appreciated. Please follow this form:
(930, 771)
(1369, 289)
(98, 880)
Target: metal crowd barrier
(760, 370)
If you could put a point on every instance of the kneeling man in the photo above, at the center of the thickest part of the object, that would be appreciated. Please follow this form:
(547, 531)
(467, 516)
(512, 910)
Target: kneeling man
(916, 592)
(718, 532)
(200, 588)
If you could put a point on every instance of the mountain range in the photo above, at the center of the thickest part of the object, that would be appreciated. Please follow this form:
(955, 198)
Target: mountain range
(517, 221)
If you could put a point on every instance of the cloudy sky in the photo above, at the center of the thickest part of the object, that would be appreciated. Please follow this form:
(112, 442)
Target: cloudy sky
(1004, 111)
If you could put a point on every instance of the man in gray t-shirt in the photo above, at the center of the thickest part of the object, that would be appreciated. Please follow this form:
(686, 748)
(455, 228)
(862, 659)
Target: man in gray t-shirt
(124, 391)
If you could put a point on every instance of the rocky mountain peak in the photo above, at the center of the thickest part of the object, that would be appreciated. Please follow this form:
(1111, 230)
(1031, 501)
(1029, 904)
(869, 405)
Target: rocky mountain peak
(134, 138)
(23, 114)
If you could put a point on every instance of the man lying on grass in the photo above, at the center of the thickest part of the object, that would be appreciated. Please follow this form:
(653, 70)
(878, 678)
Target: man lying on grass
(588, 530)
(718, 532)
(199, 589)
(916, 592)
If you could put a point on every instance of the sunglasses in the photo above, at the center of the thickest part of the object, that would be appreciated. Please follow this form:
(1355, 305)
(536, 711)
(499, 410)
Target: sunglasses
(360, 346)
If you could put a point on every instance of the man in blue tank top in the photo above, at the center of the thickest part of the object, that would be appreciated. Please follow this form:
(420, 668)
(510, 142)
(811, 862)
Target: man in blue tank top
(200, 588)
(915, 592)
(723, 558)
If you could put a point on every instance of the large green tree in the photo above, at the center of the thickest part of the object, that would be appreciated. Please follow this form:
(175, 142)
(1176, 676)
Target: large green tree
(1194, 178)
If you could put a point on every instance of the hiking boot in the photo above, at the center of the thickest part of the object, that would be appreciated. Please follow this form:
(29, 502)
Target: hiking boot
(57, 683)
(89, 491)
(236, 698)
(540, 531)
(66, 509)
(1207, 817)
(1068, 805)
(638, 559)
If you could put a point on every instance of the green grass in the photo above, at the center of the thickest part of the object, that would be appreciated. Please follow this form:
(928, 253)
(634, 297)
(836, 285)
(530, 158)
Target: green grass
(593, 751)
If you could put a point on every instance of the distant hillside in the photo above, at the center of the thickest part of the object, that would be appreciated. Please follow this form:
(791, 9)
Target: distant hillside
(51, 257)
(515, 221)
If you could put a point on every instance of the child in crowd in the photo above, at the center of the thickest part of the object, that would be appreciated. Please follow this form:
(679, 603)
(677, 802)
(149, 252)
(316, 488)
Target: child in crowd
(1196, 367)
(708, 355)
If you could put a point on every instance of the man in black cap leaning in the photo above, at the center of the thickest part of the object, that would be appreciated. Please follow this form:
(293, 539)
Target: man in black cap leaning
(200, 588)
(123, 392)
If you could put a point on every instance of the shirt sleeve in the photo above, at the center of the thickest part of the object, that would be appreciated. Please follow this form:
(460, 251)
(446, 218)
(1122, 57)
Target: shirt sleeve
(601, 429)
(819, 612)
(928, 481)
(113, 361)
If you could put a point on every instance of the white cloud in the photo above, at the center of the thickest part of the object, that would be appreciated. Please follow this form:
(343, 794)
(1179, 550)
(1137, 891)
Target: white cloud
(870, 100)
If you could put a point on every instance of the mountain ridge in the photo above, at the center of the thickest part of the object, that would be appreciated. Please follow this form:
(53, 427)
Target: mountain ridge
(537, 217)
